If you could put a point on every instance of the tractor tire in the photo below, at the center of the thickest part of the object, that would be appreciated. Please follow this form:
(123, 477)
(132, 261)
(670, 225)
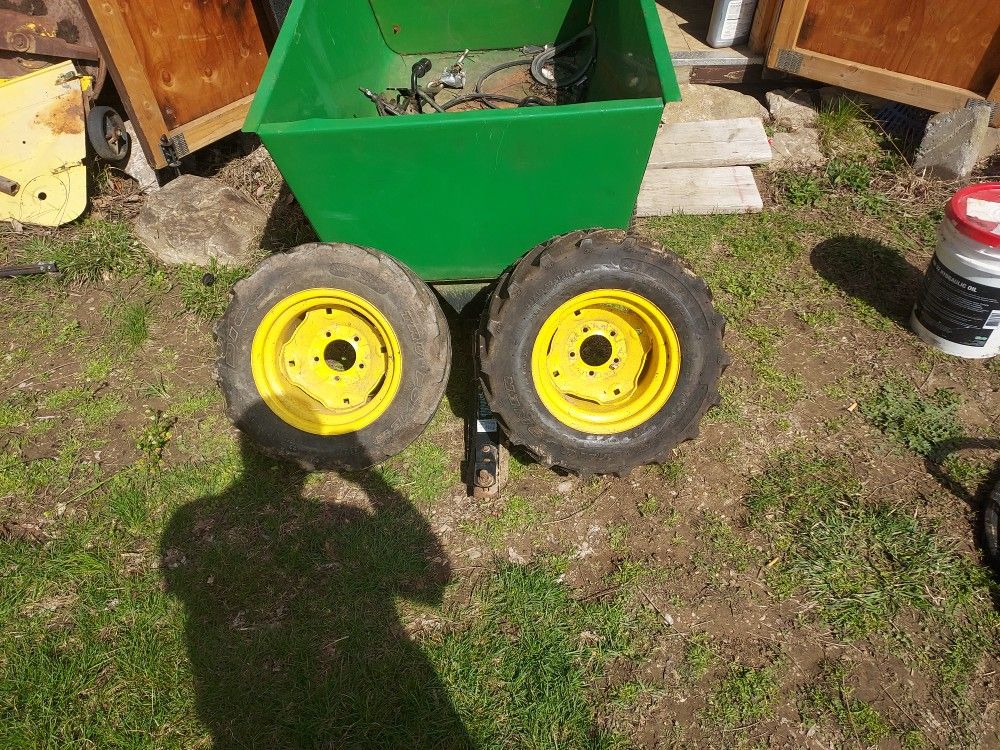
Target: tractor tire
(333, 356)
(599, 354)
(991, 527)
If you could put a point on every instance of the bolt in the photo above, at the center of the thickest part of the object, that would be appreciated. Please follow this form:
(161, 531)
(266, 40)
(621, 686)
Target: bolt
(485, 479)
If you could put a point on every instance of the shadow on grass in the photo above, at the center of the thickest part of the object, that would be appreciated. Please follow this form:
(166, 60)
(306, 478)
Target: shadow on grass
(871, 272)
(291, 620)
(978, 499)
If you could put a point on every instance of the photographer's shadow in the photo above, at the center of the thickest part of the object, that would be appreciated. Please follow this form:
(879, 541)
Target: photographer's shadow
(291, 621)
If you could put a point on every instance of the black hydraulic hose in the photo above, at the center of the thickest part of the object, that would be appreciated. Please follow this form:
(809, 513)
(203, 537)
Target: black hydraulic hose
(546, 56)
(493, 71)
(530, 101)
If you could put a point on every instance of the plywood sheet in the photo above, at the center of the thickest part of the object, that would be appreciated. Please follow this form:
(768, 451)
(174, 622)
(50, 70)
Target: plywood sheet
(198, 55)
(715, 190)
(712, 143)
(955, 42)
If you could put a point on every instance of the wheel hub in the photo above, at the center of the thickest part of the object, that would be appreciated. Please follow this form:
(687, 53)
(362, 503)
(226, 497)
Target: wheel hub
(599, 355)
(606, 361)
(327, 361)
(335, 357)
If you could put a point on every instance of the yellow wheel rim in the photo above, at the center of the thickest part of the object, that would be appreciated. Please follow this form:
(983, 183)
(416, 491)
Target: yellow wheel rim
(606, 361)
(326, 362)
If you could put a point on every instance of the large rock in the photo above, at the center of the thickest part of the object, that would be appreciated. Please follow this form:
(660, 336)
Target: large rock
(193, 220)
(793, 109)
(795, 150)
(952, 142)
(701, 102)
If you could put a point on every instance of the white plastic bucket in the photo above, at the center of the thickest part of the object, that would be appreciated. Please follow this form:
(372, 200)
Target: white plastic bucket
(958, 310)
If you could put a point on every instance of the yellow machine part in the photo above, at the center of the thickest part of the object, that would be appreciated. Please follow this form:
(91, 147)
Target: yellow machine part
(43, 144)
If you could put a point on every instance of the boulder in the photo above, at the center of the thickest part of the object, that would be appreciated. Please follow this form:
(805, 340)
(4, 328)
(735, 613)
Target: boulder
(193, 220)
(792, 110)
(953, 142)
(701, 102)
(795, 150)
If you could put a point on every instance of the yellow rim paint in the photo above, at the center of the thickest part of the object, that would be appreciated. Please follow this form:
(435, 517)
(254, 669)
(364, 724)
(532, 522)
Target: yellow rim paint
(606, 361)
(326, 361)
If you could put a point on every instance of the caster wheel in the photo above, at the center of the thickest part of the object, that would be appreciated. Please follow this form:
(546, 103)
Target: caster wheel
(107, 135)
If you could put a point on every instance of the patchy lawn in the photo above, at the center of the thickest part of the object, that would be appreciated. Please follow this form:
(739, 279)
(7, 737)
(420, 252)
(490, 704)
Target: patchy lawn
(804, 574)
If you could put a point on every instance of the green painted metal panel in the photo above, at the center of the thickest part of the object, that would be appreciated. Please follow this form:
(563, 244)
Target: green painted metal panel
(459, 196)
(449, 25)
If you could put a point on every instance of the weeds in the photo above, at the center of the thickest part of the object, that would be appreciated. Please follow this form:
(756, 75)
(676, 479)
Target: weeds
(924, 424)
(208, 301)
(745, 695)
(830, 697)
(101, 248)
(698, 657)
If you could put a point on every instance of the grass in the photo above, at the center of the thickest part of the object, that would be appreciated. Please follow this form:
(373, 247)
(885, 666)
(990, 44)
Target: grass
(746, 695)
(518, 515)
(207, 301)
(830, 698)
(99, 249)
(423, 471)
(925, 424)
(838, 551)
(698, 657)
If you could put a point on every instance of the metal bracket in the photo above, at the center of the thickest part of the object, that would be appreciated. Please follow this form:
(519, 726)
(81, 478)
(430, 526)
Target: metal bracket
(174, 149)
(789, 61)
(483, 462)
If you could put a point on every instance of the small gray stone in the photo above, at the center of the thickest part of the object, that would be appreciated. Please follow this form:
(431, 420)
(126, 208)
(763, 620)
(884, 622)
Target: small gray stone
(700, 102)
(796, 150)
(793, 109)
(137, 167)
(952, 143)
(194, 219)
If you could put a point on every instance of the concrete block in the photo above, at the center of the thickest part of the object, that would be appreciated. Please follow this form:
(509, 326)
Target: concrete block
(953, 142)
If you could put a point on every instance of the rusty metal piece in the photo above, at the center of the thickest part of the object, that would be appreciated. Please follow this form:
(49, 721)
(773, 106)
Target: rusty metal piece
(38, 33)
(8, 186)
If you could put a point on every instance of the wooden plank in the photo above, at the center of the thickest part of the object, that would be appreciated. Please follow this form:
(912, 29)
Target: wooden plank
(215, 125)
(763, 25)
(119, 51)
(898, 87)
(715, 190)
(786, 31)
(955, 42)
(712, 143)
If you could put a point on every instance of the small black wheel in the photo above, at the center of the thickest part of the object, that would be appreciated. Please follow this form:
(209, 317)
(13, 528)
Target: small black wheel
(333, 356)
(991, 527)
(107, 134)
(600, 354)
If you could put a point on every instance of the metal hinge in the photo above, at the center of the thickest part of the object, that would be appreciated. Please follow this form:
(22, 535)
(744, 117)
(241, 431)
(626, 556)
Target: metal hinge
(789, 61)
(174, 149)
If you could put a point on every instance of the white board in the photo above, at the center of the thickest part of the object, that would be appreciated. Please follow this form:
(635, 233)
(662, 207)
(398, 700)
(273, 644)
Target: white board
(712, 143)
(713, 190)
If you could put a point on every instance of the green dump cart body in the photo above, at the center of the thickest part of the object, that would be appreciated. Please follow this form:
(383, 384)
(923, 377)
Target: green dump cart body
(459, 196)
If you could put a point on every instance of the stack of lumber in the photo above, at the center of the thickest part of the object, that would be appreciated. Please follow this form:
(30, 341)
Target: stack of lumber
(704, 168)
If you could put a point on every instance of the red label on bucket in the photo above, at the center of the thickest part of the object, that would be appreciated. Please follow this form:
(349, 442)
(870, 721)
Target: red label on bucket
(956, 309)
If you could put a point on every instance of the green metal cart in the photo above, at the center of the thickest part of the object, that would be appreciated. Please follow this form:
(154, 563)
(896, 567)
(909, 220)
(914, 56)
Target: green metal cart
(598, 352)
